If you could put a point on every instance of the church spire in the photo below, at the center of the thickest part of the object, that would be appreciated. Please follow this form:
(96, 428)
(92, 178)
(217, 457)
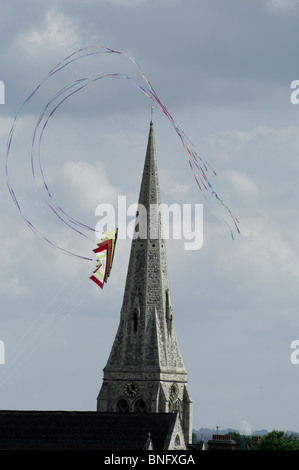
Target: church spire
(145, 350)
(146, 337)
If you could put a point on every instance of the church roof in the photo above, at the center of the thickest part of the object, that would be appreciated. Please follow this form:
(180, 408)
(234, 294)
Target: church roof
(83, 430)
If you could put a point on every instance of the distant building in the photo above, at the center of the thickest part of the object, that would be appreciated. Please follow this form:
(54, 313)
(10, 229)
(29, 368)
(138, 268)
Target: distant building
(254, 441)
(221, 442)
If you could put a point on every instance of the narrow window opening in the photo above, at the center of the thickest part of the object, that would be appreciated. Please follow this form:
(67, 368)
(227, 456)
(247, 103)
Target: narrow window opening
(140, 406)
(122, 406)
(135, 320)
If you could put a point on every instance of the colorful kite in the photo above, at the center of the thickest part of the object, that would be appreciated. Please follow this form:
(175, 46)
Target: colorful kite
(105, 254)
(199, 167)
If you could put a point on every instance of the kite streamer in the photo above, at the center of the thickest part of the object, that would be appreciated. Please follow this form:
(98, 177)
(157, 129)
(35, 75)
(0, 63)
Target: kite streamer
(199, 167)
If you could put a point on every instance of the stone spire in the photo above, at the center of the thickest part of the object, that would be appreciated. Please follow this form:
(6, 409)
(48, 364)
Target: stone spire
(145, 350)
(146, 337)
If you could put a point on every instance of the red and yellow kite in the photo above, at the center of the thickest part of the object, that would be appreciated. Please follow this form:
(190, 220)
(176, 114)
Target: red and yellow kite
(105, 253)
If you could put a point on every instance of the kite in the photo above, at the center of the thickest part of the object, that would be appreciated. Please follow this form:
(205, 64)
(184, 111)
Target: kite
(199, 167)
(105, 254)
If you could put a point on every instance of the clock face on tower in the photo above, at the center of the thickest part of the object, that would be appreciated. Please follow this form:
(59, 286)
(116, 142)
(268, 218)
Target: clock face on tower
(130, 389)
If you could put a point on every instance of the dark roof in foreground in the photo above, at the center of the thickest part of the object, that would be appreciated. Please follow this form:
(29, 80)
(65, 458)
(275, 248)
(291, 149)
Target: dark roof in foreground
(82, 430)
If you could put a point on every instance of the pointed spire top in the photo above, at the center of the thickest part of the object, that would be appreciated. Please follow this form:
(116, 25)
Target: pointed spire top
(152, 112)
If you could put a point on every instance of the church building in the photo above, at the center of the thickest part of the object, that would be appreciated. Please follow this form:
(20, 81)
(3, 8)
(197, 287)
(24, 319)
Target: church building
(145, 370)
(143, 402)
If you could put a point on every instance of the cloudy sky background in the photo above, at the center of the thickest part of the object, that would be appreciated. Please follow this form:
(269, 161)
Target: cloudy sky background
(224, 69)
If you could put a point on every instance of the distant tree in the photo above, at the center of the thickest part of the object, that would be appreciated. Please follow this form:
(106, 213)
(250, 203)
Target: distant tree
(277, 440)
(242, 441)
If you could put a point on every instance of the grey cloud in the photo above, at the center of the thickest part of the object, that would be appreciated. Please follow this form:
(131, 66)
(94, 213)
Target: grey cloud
(223, 69)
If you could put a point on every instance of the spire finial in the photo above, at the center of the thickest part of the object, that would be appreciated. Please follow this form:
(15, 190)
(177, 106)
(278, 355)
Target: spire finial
(152, 112)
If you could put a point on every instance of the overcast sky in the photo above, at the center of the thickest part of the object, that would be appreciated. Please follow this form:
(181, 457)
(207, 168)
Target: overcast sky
(223, 68)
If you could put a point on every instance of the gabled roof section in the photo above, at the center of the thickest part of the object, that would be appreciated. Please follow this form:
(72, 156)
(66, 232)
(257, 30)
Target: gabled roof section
(83, 430)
